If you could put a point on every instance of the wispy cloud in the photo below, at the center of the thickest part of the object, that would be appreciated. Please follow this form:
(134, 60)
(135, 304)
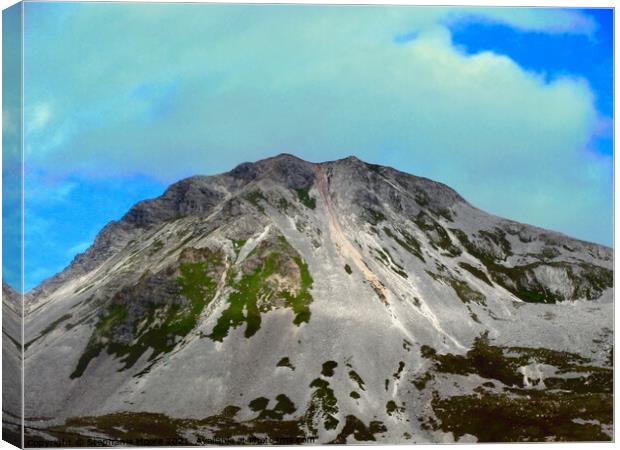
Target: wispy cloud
(545, 20)
(38, 117)
(173, 90)
(78, 248)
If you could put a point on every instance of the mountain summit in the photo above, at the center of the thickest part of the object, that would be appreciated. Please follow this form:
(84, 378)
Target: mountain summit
(331, 302)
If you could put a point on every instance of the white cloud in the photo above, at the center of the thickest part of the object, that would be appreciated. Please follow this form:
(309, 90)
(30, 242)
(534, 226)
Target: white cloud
(38, 117)
(10, 122)
(548, 20)
(43, 191)
(322, 83)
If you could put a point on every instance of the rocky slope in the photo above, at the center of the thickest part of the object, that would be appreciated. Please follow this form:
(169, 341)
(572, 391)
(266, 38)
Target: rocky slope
(11, 365)
(333, 302)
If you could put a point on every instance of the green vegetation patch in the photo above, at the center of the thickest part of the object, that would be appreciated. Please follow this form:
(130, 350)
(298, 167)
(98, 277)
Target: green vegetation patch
(328, 368)
(399, 371)
(385, 257)
(156, 327)
(48, 329)
(355, 377)
(157, 246)
(422, 380)
(347, 269)
(482, 359)
(573, 405)
(300, 303)
(408, 242)
(476, 272)
(588, 280)
(283, 205)
(374, 216)
(116, 314)
(357, 428)
(255, 198)
(285, 362)
(242, 302)
(323, 404)
(238, 245)
(284, 406)
(503, 363)
(254, 293)
(466, 293)
(463, 290)
(152, 429)
(393, 409)
(305, 198)
(436, 234)
(535, 416)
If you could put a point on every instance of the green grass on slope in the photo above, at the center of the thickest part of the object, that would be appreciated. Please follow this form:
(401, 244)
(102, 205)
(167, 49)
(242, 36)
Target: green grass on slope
(242, 303)
(171, 321)
(535, 416)
(573, 404)
(254, 293)
(305, 198)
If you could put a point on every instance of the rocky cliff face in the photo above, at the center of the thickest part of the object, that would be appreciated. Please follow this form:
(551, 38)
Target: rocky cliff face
(339, 302)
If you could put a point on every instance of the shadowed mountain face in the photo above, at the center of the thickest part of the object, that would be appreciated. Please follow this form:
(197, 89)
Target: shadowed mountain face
(335, 302)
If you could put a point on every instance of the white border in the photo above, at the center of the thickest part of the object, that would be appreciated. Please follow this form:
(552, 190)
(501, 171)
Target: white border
(539, 3)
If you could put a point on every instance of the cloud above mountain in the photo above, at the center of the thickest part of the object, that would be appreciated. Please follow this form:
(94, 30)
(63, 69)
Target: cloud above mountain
(168, 91)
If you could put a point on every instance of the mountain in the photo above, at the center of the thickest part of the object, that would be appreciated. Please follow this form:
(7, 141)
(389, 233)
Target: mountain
(288, 301)
(11, 365)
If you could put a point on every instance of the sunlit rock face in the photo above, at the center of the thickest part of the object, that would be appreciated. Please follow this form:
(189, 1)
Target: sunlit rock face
(336, 302)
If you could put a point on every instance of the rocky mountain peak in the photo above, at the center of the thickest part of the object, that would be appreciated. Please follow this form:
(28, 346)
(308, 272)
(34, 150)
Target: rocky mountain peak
(291, 171)
(370, 186)
(340, 300)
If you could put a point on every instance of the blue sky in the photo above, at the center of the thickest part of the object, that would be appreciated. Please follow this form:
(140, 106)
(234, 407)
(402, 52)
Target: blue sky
(511, 107)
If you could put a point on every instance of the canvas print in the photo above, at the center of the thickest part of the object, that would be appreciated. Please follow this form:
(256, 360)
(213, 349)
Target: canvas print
(229, 224)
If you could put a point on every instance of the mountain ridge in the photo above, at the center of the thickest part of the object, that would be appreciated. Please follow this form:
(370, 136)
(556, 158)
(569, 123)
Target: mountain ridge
(244, 170)
(340, 301)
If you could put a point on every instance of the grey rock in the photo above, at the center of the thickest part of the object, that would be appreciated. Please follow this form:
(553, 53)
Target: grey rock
(397, 262)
